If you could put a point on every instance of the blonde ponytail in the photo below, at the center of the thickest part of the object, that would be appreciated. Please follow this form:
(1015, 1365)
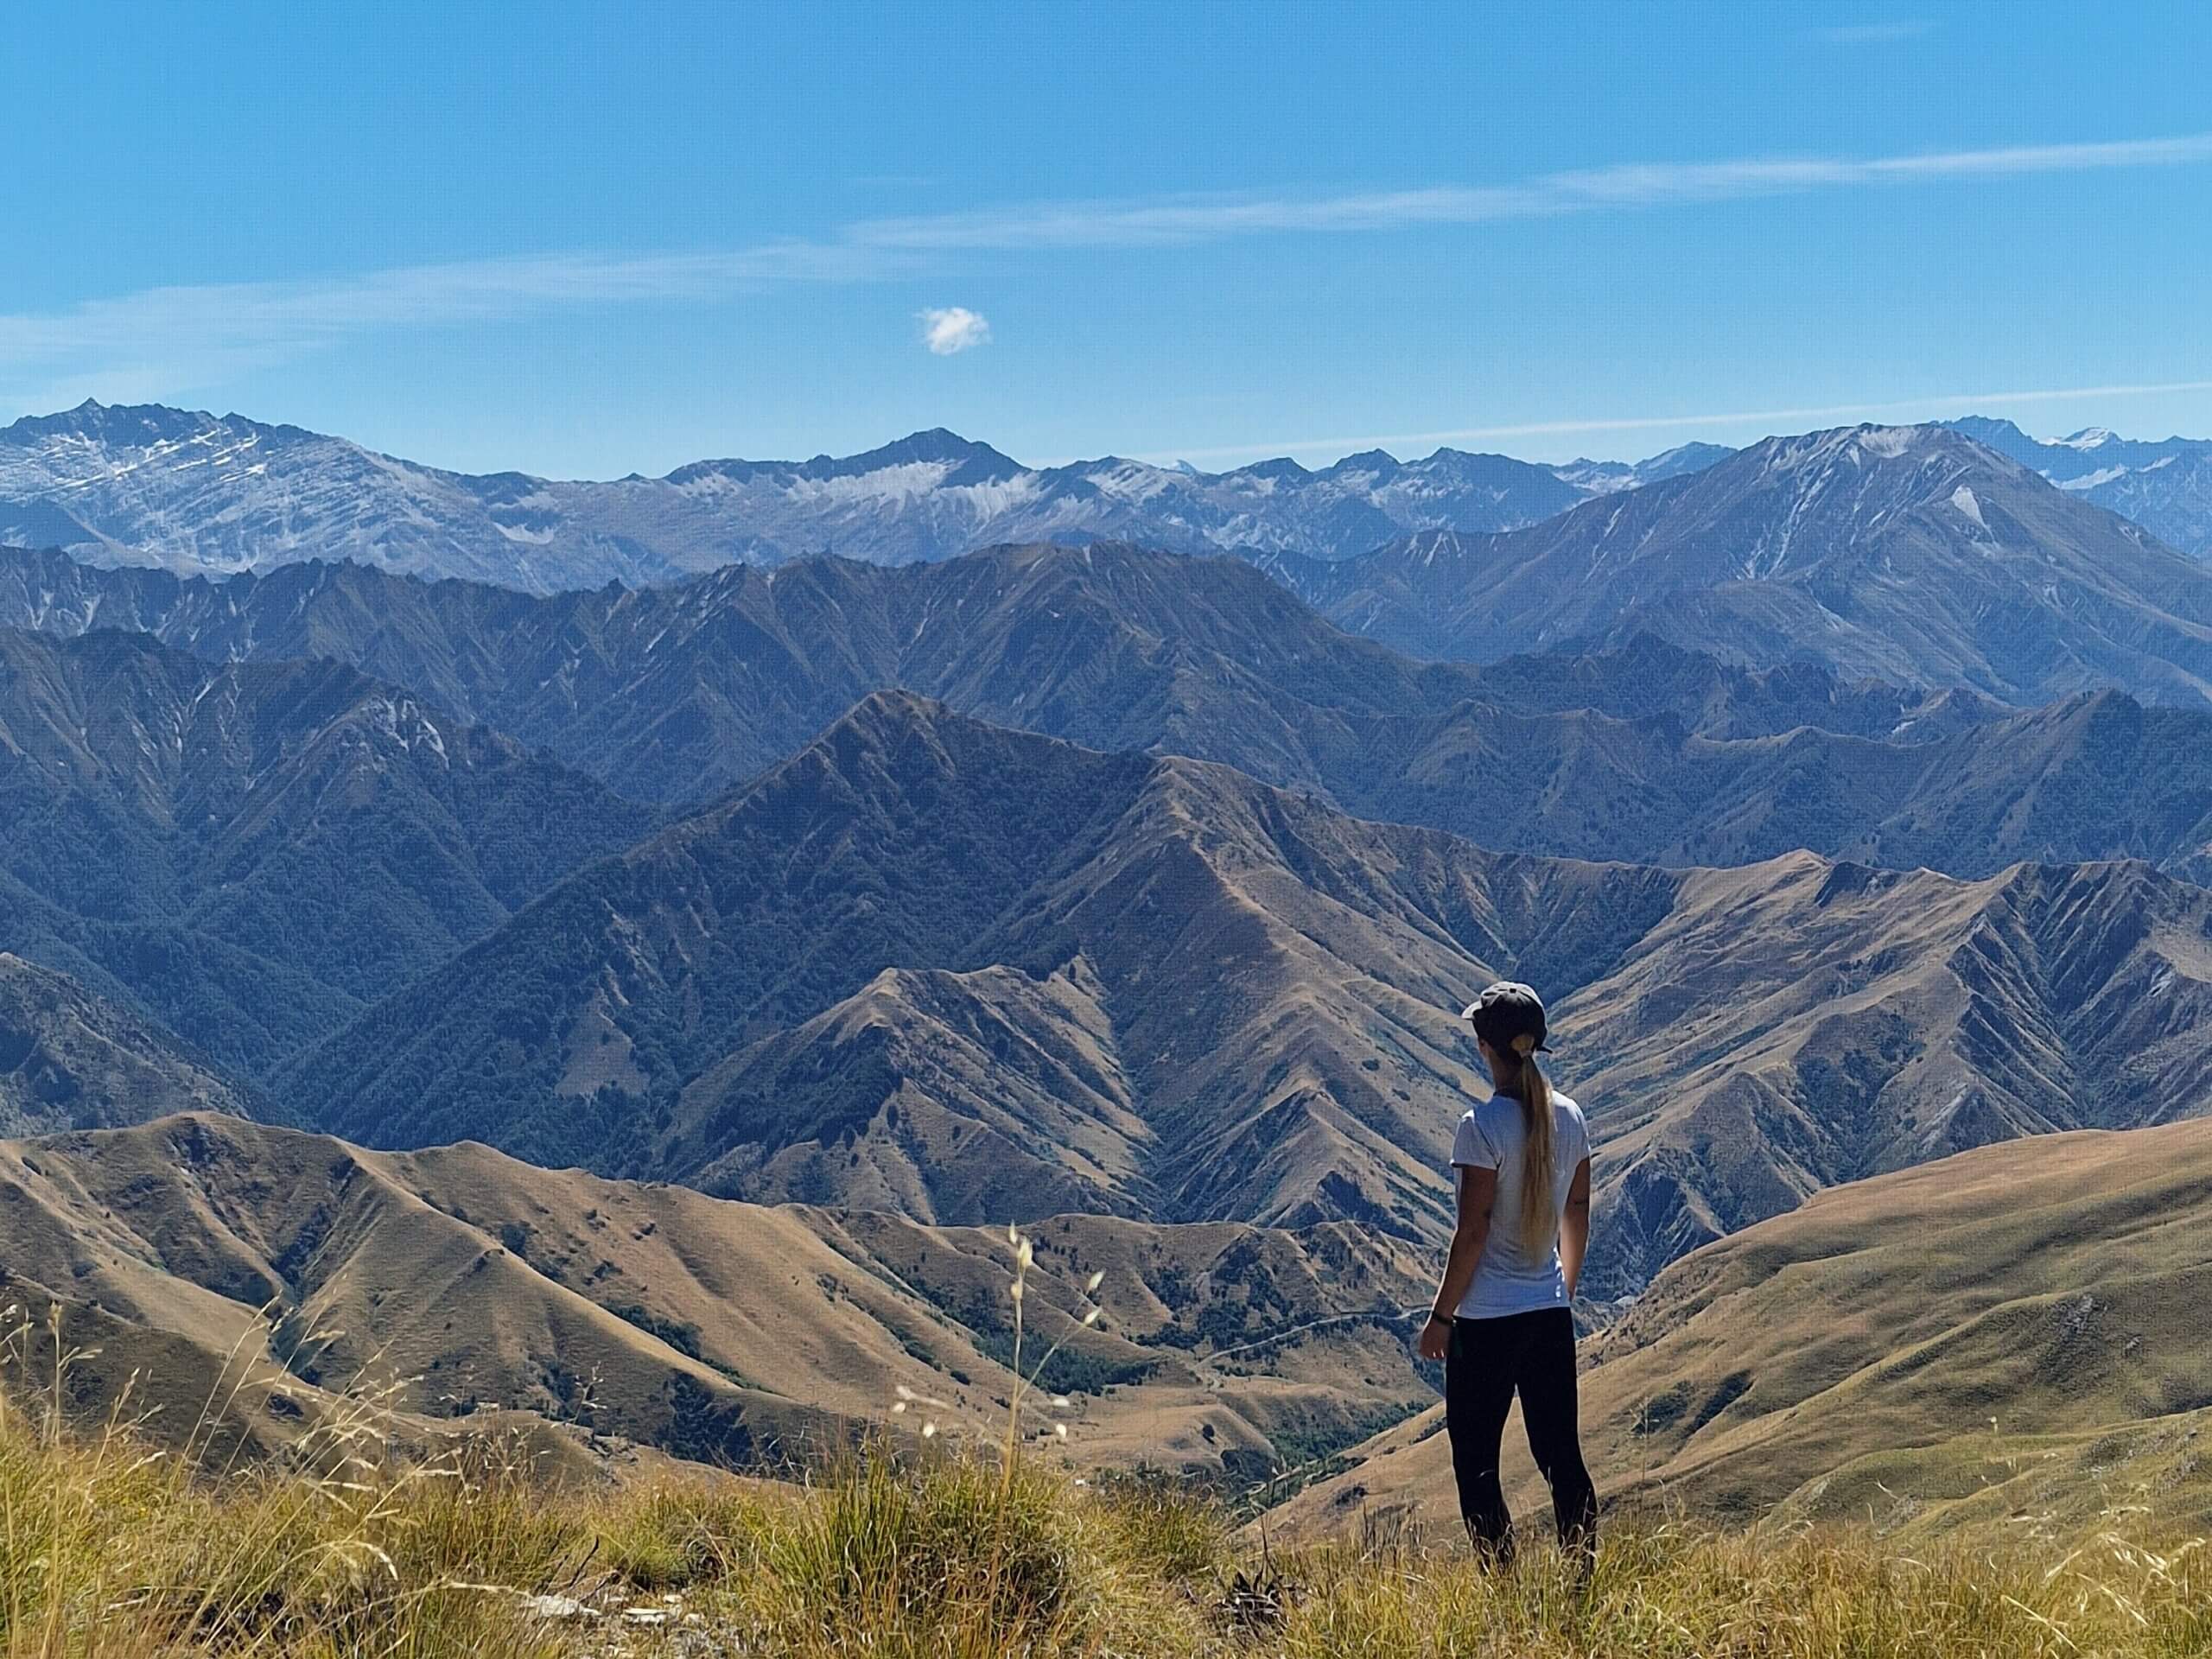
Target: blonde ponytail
(1539, 1223)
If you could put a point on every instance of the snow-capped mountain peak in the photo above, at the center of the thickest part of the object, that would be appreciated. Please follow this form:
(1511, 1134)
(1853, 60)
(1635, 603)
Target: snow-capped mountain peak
(200, 494)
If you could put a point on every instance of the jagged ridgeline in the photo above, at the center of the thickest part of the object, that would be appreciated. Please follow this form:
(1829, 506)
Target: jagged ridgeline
(1651, 752)
(194, 492)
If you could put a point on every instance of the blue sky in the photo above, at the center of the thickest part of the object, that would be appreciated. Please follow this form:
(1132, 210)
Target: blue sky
(581, 241)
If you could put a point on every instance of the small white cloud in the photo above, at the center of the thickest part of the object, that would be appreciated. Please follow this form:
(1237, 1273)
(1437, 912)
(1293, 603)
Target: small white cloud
(952, 328)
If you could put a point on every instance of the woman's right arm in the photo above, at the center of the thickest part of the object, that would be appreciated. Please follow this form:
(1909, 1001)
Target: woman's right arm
(1477, 1193)
(1574, 1228)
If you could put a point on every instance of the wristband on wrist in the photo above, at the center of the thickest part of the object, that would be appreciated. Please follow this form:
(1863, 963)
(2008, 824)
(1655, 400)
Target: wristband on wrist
(1440, 1318)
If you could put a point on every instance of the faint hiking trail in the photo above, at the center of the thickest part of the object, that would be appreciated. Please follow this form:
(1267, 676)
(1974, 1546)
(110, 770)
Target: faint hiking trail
(1370, 1317)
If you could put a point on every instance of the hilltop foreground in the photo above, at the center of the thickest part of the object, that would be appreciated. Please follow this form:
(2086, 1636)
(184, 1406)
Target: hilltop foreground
(306, 1509)
(106, 1548)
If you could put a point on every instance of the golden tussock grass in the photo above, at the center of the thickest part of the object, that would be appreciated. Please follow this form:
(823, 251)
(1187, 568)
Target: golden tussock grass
(109, 1548)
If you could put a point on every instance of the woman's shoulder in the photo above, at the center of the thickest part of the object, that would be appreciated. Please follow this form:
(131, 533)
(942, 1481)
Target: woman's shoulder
(1565, 1106)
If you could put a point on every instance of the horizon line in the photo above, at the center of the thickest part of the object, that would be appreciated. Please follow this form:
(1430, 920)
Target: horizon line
(1337, 448)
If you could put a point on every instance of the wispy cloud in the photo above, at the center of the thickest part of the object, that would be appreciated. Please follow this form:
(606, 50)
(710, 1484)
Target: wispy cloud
(1772, 419)
(949, 330)
(1889, 34)
(159, 341)
(1216, 218)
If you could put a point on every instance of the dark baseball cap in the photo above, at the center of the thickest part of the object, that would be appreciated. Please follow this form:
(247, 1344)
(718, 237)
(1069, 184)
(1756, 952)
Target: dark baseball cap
(1504, 1011)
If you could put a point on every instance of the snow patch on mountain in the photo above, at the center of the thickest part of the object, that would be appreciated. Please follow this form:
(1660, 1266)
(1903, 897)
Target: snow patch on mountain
(1888, 440)
(2090, 480)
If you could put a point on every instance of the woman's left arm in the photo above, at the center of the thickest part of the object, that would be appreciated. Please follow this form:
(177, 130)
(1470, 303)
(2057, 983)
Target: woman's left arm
(1477, 1192)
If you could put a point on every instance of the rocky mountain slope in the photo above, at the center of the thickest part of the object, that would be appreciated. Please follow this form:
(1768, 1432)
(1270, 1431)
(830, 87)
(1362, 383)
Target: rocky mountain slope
(958, 970)
(1792, 1026)
(1237, 1001)
(1909, 554)
(70, 1060)
(460, 1288)
(2164, 484)
(190, 492)
(2009, 1336)
(1951, 788)
(251, 851)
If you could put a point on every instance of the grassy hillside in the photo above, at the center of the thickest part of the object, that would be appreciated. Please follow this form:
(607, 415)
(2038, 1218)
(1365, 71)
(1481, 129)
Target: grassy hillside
(2014, 1336)
(281, 1274)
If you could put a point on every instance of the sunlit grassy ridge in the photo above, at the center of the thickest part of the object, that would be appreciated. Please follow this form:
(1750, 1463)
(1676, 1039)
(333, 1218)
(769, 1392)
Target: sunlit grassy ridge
(2013, 1337)
(110, 1547)
(350, 1542)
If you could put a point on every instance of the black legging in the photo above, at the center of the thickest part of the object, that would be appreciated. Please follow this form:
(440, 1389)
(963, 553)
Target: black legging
(1532, 1352)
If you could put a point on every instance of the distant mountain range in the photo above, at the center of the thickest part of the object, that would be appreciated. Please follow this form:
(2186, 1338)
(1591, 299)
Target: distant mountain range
(1649, 752)
(198, 493)
(1915, 555)
(1911, 554)
(679, 693)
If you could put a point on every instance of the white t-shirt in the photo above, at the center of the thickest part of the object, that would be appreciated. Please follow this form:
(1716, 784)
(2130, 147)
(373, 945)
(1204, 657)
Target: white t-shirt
(1509, 1279)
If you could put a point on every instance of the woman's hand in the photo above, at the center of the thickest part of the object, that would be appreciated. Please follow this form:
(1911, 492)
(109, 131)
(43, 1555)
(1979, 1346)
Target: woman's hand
(1435, 1337)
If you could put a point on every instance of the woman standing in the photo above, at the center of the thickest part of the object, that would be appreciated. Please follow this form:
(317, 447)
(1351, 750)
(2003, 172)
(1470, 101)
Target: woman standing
(1502, 1320)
